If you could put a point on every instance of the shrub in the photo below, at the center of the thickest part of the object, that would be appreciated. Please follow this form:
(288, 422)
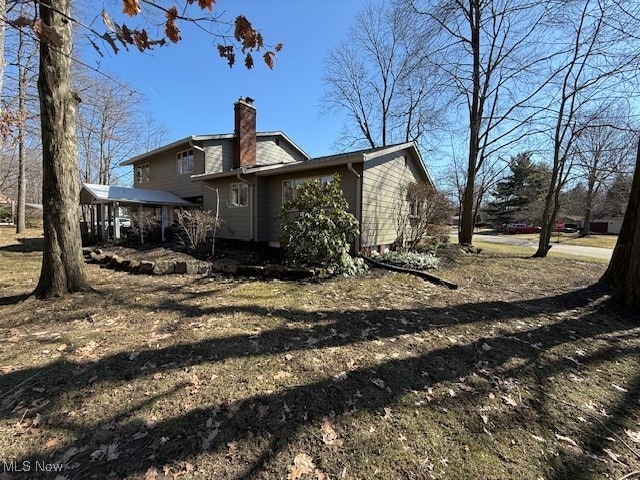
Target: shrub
(194, 226)
(318, 228)
(145, 225)
(417, 261)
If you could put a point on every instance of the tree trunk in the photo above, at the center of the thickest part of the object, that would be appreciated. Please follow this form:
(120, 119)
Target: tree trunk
(589, 202)
(467, 218)
(22, 113)
(623, 272)
(62, 263)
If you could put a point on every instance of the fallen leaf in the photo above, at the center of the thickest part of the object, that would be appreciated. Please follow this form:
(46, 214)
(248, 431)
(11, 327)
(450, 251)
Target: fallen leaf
(302, 465)
(509, 400)
(206, 441)
(634, 436)
(378, 383)
(151, 474)
(52, 442)
(329, 435)
(340, 377)
(568, 440)
(612, 455)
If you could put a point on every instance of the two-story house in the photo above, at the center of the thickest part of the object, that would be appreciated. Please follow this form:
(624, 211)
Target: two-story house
(250, 174)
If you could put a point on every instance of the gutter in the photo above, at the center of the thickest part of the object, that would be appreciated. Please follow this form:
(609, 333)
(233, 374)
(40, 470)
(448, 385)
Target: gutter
(251, 202)
(358, 202)
(194, 146)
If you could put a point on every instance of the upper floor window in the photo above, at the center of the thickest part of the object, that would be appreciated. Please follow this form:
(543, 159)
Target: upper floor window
(239, 194)
(142, 173)
(290, 187)
(185, 162)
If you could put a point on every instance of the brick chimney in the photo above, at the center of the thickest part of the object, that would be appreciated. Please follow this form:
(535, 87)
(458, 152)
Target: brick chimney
(245, 131)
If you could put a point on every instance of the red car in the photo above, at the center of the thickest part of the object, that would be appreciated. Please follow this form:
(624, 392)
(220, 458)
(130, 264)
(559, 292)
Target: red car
(522, 228)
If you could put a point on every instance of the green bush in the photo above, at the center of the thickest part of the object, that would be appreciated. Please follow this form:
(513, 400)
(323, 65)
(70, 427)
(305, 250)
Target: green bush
(318, 228)
(432, 244)
(417, 261)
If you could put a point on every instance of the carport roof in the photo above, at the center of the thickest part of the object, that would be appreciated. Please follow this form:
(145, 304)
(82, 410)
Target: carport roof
(95, 194)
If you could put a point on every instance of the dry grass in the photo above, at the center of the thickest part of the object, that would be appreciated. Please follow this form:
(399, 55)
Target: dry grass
(593, 240)
(523, 372)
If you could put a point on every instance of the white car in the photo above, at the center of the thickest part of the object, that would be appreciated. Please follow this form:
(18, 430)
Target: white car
(124, 222)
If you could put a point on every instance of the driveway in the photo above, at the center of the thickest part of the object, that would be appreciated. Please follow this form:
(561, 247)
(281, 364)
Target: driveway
(583, 251)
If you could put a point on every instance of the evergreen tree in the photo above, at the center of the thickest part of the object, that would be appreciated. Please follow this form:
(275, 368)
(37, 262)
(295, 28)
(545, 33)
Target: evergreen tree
(518, 196)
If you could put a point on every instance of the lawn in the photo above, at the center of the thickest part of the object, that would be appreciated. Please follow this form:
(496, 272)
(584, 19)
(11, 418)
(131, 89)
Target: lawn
(602, 241)
(526, 371)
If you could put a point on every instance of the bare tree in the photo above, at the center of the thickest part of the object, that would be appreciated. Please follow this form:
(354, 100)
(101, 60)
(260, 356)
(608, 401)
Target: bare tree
(62, 265)
(603, 151)
(112, 127)
(381, 78)
(623, 272)
(596, 61)
(487, 51)
(421, 212)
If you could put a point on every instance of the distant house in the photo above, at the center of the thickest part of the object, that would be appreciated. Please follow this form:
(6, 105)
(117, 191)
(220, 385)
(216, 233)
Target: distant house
(606, 225)
(251, 174)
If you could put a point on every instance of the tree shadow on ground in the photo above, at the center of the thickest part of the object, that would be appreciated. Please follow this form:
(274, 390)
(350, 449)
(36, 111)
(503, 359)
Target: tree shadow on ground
(25, 245)
(379, 385)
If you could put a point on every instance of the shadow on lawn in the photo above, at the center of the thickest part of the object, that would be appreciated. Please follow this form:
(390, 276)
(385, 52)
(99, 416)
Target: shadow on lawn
(309, 403)
(26, 245)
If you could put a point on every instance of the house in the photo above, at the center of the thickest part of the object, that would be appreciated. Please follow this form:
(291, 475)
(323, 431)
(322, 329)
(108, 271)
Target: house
(610, 225)
(249, 175)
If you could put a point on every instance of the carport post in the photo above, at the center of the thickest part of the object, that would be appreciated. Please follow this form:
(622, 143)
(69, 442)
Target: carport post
(165, 220)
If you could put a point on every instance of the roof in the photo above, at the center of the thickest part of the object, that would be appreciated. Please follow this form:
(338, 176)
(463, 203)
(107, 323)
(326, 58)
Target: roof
(92, 193)
(203, 138)
(358, 156)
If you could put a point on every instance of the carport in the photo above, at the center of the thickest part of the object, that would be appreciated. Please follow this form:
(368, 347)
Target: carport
(105, 202)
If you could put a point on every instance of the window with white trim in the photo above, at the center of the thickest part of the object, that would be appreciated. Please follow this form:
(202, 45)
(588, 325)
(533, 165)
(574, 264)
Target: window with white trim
(238, 194)
(142, 173)
(290, 187)
(185, 162)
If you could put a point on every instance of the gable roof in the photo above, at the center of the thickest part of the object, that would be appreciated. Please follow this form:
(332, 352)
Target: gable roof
(358, 156)
(92, 194)
(203, 138)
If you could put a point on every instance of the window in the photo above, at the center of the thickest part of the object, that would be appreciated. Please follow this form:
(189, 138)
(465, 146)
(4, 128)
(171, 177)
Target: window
(290, 187)
(142, 173)
(185, 163)
(238, 195)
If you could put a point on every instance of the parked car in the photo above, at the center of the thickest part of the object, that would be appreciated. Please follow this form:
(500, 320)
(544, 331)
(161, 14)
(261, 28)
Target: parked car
(125, 222)
(514, 228)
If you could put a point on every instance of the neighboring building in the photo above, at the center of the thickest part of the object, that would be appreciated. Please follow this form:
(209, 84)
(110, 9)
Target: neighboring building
(606, 225)
(251, 174)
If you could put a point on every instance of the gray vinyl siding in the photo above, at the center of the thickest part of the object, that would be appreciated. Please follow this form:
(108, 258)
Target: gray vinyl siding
(219, 155)
(263, 218)
(268, 152)
(383, 182)
(163, 174)
(236, 220)
(273, 196)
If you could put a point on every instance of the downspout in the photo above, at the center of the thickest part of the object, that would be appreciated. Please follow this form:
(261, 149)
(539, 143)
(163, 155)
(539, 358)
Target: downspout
(250, 186)
(193, 145)
(358, 203)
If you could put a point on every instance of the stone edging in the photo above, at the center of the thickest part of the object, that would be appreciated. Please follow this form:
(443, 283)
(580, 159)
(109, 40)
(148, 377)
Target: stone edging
(199, 267)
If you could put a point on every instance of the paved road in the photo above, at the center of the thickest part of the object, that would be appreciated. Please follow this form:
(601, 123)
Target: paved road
(596, 252)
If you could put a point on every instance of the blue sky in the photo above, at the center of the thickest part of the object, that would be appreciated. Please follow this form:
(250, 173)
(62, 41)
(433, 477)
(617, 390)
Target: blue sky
(191, 90)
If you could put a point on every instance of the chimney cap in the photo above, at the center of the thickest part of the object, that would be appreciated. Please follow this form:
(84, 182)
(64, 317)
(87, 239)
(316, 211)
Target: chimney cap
(247, 100)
